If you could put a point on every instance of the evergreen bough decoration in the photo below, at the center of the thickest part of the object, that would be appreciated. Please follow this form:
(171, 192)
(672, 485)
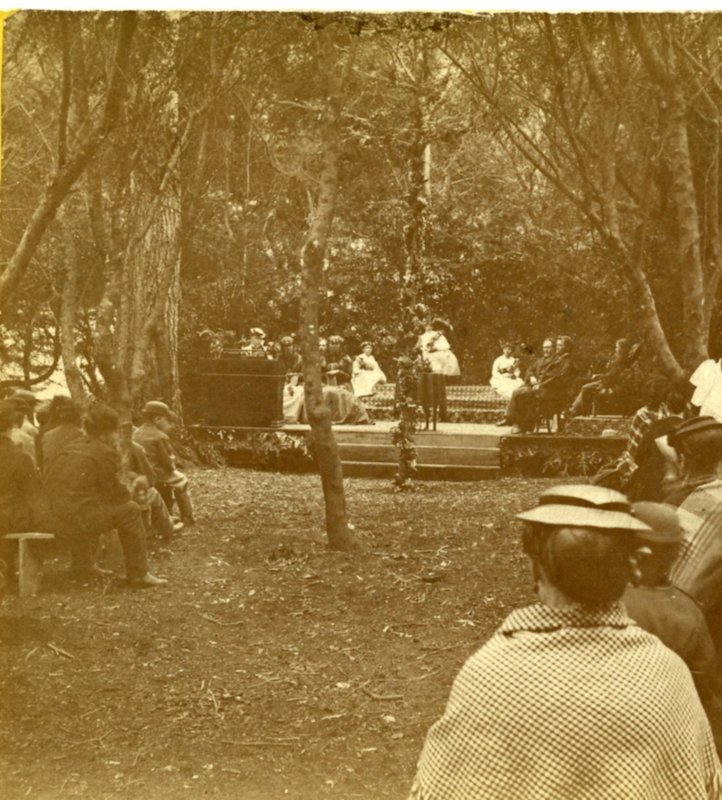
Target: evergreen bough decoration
(402, 434)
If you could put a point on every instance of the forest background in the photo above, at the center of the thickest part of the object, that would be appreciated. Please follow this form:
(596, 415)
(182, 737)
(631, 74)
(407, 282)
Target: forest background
(523, 175)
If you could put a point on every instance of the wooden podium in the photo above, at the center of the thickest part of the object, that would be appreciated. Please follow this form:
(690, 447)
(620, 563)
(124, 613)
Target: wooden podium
(240, 391)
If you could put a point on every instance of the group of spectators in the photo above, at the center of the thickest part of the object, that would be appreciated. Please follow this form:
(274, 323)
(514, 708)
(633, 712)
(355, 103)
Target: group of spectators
(61, 472)
(552, 384)
(609, 686)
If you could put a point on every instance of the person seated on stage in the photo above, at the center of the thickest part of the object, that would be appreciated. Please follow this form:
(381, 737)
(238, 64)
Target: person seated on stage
(152, 435)
(660, 607)
(535, 373)
(88, 498)
(570, 698)
(611, 381)
(366, 372)
(290, 358)
(256, 347)
(346, 408)
(293, 395)
(339, 365)
(505, 373)
(548, 395)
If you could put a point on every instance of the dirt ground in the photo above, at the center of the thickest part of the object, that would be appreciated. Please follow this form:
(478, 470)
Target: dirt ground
(269, 667)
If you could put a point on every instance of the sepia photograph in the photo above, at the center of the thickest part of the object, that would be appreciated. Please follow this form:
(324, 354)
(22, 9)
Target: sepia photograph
(360, 404)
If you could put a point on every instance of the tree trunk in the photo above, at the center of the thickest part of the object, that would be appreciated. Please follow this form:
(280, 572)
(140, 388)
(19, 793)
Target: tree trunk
(690, 257)
(67, 317)
(61, 182)
(340, 536)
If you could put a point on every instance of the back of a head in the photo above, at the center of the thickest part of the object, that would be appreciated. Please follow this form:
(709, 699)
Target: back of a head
(581, 537)
(588, 566)
(64, 410)
(699, 440)
(101, 419)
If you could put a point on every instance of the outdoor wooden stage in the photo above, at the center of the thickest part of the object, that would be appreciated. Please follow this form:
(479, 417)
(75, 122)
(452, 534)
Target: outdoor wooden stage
(455, 451)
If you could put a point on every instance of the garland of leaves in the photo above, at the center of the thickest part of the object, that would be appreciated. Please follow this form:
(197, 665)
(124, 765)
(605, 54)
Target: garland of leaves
(402, 434)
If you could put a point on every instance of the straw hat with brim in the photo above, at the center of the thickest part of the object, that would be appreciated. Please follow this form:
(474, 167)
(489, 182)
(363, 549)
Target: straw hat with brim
(583, 506)
(663, 520)
(258, 332)
(155, 408)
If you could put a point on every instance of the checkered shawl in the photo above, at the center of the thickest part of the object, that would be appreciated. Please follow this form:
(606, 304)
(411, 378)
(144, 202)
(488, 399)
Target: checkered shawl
(570, 704)
(698, 570)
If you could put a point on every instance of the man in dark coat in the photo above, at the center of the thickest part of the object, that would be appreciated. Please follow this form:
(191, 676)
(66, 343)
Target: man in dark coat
(88, 498)
(63, 427)
(548, 395)
(152, 435)
(521, 407)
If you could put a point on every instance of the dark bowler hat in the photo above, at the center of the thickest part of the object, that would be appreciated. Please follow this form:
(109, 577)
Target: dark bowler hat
(662, 520)
(155, 408)
(584, 506)
(693, 427)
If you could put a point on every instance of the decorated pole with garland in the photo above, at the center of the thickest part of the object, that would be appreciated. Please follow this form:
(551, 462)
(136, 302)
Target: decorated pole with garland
(406, 408)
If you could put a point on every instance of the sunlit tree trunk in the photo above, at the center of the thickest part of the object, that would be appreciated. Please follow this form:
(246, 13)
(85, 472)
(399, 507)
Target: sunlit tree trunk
(340, 536)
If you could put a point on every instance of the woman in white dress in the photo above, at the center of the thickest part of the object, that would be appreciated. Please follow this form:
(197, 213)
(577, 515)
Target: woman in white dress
(435, 348)
(366, 372)
(505, 375)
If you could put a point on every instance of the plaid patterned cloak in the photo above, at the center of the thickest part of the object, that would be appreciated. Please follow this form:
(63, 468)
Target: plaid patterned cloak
(570, 704)
(698, 570)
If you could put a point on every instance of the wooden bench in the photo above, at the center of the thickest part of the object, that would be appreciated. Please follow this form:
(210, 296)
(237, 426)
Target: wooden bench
(29, 566)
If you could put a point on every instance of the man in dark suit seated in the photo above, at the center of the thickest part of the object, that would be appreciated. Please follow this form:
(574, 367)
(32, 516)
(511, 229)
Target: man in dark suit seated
(549, 396)
(534, 375)
(613, 381)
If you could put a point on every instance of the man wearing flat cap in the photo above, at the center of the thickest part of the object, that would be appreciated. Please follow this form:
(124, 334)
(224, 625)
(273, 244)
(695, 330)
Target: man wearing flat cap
(570, 698)
(152, 435)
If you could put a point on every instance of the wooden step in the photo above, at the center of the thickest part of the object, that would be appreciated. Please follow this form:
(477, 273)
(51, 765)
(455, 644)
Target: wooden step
(421, 438)
(387, 453)
(429, 472)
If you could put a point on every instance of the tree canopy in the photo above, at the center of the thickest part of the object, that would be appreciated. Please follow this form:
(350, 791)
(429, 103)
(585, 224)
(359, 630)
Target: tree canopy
(523, 175)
